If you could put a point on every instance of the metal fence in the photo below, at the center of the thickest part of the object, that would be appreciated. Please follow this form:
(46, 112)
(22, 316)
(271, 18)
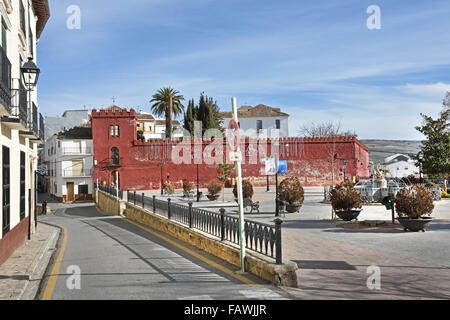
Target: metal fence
(259, 237)
(111, 190)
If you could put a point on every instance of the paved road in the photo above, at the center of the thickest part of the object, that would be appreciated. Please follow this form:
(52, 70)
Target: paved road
(119, 260)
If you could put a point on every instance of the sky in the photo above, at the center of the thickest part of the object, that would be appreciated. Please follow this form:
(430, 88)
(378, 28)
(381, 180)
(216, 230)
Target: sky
(316, 60)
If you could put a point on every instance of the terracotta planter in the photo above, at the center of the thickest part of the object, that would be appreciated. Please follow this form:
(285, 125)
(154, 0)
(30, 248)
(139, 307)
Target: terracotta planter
(348, 215)
(415, 224)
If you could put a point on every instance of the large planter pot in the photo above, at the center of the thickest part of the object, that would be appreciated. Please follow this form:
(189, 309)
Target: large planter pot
(348, 215)
(213, 197)
(415, 224)
(293, 208)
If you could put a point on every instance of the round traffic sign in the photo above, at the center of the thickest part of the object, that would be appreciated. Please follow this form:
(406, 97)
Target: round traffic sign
(234, 135)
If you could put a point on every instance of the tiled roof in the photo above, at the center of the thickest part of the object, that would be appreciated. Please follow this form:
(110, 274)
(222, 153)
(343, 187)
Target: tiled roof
(145, 117)
(261, 111)
(42, 11)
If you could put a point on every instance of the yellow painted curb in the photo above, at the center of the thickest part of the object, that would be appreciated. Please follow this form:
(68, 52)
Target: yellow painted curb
(55, 271)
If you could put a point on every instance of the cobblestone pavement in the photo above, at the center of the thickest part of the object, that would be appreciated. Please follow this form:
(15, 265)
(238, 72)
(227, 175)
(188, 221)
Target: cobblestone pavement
(21, 274)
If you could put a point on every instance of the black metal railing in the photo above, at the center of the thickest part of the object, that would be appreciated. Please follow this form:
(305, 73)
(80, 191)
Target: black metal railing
(259, 237)
(23, 105)
(41, 127)
(111, 190)
(5, 81)
(35, 128)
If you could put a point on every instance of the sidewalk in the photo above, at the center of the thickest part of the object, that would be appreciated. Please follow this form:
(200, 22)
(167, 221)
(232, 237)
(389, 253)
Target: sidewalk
(21, 274)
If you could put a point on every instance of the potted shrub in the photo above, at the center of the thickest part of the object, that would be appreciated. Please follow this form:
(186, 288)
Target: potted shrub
(214, 188)
(413, 205)
(187, 188)
(291, 191)
(247, 189)
(346, 201)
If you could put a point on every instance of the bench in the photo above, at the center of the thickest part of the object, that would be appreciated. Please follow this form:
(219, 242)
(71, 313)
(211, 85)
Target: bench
(249, 205)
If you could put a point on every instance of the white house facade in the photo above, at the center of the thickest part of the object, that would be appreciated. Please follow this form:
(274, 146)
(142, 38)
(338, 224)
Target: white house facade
(260, 121)
(69, 159)
(21, 133)
(155, 128)
(400, 166)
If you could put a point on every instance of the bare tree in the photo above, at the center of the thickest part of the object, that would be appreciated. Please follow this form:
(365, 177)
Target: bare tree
(330, 130)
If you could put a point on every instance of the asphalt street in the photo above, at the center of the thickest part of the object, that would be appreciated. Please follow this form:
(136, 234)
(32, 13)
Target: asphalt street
(116, 259)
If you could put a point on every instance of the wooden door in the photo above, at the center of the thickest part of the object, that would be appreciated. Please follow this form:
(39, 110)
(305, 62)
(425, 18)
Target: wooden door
(70, 191)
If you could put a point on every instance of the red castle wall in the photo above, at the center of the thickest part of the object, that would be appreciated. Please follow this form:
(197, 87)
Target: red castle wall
(308, 158)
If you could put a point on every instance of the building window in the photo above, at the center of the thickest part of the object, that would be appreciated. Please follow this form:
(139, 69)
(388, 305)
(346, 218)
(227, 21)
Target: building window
(258, 125)
(83, 189)
(6, 191)
(114, 156)
(114, 131)
(277, 124)
(22, 185)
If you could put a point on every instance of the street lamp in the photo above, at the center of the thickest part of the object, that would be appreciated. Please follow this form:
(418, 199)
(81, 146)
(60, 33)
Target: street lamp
(160, 165)
(277, 200)
(31, 75)
(198, 186)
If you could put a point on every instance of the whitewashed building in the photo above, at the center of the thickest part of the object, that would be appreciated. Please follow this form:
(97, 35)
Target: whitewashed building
(400, 166)
(259, 120)
(69, 159)
(22, 22)
(155, 128)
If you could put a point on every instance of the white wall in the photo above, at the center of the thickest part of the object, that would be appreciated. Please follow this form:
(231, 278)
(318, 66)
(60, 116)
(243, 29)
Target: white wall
(269, 124)
(402, 169)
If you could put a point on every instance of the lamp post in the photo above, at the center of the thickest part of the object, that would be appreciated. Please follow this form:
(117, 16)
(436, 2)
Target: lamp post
(31, 75)
(277, 200)
(160, 165)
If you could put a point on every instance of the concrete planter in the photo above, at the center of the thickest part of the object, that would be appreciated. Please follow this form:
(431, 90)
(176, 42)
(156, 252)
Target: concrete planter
(415, 224)
(213, 197)
(293, 208)
(348, 215)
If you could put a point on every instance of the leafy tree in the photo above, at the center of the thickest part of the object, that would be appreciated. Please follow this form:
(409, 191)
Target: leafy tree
(162, 106)
(434, 154)
(190, 117)
(140, 135)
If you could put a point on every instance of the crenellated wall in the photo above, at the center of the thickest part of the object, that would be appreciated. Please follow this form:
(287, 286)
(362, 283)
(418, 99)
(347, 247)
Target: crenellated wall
(310, 159)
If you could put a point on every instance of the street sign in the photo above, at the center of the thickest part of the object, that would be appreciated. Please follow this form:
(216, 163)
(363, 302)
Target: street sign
(235, 156)
(282, 167)
(271, 168)
(233, 134)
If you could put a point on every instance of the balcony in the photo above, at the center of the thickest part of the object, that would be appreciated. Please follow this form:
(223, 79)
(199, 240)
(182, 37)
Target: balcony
(77, 151)
(5, 85)
(77, 173)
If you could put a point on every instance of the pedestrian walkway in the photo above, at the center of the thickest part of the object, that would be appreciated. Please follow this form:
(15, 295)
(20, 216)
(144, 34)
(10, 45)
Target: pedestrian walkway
(21, 274)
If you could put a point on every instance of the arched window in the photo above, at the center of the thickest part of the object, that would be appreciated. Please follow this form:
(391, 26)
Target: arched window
(115, 156)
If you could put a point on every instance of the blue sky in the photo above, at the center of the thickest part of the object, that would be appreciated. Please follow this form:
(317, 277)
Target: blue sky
(316, 60)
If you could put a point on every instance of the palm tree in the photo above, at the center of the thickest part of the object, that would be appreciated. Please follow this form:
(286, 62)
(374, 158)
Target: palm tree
(167, 102)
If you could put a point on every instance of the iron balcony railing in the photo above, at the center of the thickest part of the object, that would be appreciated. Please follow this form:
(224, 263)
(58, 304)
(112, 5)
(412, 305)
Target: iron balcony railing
(70, 173)
(41, 128)
(259, 237)
(77, 150)
(5, 81)
(34, 123)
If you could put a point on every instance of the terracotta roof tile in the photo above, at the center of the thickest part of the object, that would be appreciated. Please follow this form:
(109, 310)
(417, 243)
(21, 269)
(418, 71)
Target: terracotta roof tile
(261, 111)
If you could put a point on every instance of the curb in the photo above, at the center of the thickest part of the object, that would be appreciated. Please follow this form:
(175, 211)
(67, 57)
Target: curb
(40, 264)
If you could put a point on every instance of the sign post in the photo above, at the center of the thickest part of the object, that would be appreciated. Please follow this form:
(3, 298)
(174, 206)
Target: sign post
(234, 143)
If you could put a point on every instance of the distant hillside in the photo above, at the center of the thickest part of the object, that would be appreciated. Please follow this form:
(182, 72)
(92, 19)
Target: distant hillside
(380, 149)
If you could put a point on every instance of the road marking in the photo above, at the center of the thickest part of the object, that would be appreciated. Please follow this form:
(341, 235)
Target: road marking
(55, 271)
(262, 294)
(195, 254)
